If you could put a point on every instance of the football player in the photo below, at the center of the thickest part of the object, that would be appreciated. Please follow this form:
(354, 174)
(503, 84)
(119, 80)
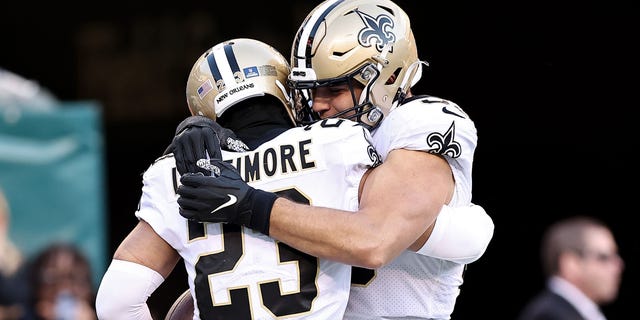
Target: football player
(358, 59)
(235, 272)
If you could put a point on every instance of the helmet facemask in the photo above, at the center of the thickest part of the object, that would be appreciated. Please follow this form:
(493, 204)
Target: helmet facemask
(363, 108)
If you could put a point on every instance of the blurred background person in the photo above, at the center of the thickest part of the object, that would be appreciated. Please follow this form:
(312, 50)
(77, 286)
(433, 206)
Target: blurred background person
(583, 269)
(46, 143)
(18, 91)
(13, 288)
(61, 285)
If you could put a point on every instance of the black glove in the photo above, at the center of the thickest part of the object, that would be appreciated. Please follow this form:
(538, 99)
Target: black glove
(226, 198)
(195, 136)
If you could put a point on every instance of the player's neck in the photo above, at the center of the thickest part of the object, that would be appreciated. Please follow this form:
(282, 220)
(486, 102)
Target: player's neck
(254, 136)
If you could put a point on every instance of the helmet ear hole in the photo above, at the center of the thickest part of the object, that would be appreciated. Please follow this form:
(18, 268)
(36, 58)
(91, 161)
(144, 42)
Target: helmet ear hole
(393, 77)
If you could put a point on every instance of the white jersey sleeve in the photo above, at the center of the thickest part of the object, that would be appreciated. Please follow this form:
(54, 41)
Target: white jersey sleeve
(433, 125)
(234, 272)
(440, 126)
(417, 286)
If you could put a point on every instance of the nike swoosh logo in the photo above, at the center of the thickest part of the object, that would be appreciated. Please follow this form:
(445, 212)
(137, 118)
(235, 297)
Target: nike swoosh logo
(445, 110)
(232, 200)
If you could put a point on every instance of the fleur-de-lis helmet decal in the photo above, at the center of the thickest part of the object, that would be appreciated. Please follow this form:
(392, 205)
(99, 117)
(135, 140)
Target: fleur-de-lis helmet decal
(378, 31)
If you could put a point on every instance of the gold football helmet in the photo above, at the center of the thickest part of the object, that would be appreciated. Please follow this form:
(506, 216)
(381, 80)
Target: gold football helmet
(233, 71)
(342, 41)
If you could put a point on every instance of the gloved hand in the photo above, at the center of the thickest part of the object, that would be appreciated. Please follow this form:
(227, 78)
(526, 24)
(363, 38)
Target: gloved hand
(199, 137)
(225, 198)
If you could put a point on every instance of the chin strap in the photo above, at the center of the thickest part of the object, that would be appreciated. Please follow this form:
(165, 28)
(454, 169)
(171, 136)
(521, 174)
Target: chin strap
(411, 77)
(290, 106)
(417, 74)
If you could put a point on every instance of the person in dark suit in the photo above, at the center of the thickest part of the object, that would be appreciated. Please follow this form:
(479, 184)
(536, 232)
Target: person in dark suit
(583, 269)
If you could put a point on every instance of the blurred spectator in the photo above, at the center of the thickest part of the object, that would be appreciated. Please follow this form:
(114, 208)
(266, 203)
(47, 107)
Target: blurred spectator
(13, 287)
(61, 285)
(583, 269)
(16, 91)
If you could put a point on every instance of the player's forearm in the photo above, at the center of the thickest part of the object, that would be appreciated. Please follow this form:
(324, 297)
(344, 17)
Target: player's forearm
(327, 233)
(371, 237)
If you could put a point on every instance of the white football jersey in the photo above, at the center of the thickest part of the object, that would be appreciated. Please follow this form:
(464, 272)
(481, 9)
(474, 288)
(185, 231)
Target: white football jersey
(415, 286)
(237, 273)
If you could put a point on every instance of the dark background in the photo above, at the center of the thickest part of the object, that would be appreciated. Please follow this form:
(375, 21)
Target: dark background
(549, 86)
